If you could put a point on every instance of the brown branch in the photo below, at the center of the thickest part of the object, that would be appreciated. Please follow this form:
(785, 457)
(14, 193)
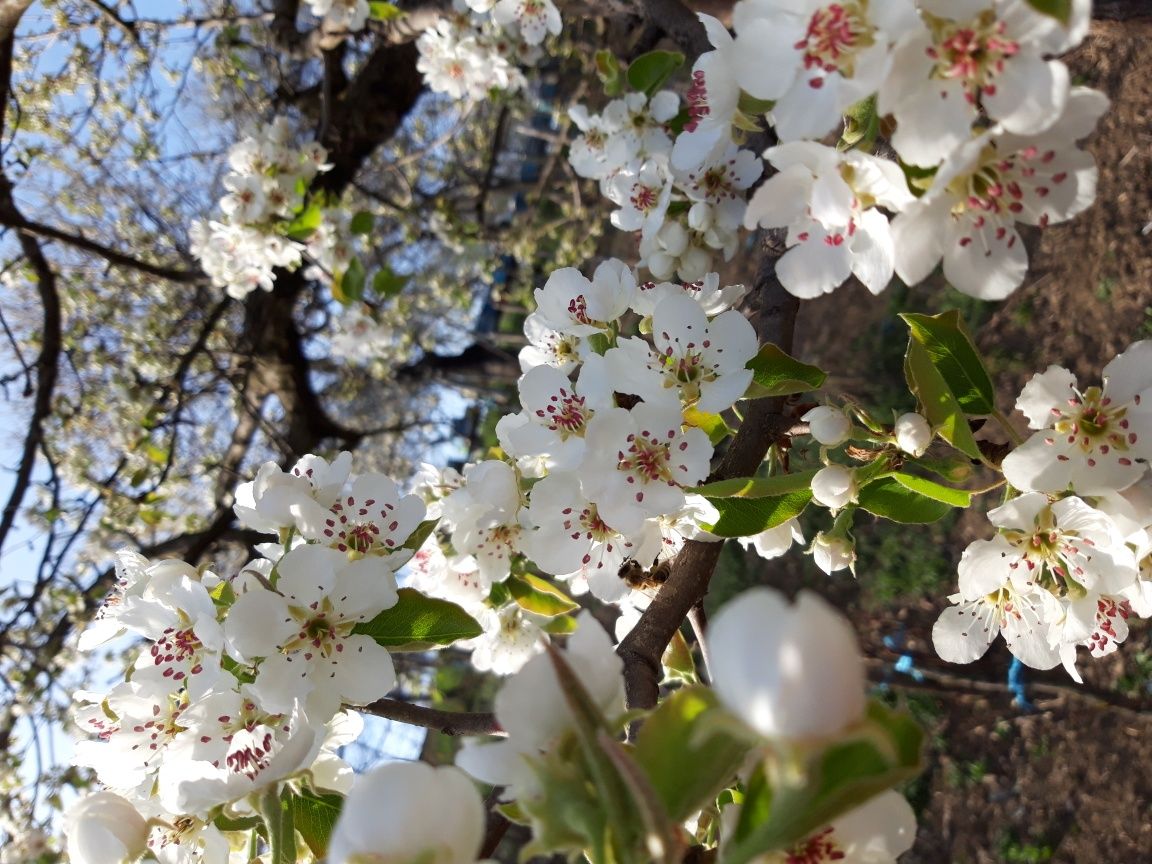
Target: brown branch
(774, 317)
(447, 722)
(679, 22)
(112, 256)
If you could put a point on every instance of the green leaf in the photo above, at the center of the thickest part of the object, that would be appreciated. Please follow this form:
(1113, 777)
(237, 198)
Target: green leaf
(314, 816)
(276, 808)
(756, 487)
(349, 288)
(712, 425)
(306, 221)
(677, 659)
(705, 758)
(931, 489)
(423, 532)
(539, 596)
(561, 625)
(387, 283)
(379, 10)
(609, 72)
(951, 351)
(937, 403)
(774, 373)
(881, 753)
(751, 105)
(499, 595)
(886, 497)
(743, 517)
(648, 72)
(1061, 10)
(419, 623)
(861, 125)
(362, 223)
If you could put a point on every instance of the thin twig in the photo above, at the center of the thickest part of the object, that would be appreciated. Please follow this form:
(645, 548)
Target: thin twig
(447, 722)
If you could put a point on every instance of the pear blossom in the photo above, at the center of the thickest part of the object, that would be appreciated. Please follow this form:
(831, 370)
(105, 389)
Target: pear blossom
(968, 216)
(832, 552)
(791, 672)
(487, 519)
(639, 461)
(303, 631)
(827, 200)
(638, 124)
(707, 292)
(1095, 441)
(511, 637)
(829, 426)
(973, 55)
(774, 542)
(879, 831)
(534, 19)
(642, 195)
(266, 502)
(571, 303)
(103, 828)
(913, 433)
(549, 346)
(712, 100)
(409, 811)
(533, 710)
(722, 182)
(815, 59)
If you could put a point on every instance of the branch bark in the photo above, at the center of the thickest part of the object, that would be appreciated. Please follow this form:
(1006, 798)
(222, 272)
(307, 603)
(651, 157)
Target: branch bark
(447, 722)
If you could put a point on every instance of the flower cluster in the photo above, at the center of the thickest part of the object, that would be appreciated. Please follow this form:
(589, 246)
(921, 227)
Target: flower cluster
(481, 46)
(684, 216)
(265, 190)
(604, 425)
(241, 680)
(985, 122)
(1072, 559)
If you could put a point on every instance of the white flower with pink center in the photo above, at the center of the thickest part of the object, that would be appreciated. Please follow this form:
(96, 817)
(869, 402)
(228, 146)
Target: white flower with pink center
(877, 832)
(699, 361)
(556, 413)
(712, 100)
(976, 55)
(815, 59)
(301, 633)
(722, 182)
(571, 303)
(642, 195)
(964, 631)
(639, 461)
(707, 292)
(572, 541)
(487, 519)
(827, 200)
(371, 518)
(512, 636)
(1093, 441)
(968, 217)
(549, 347)
(639, 128)
(534, 19)
(588, 151)
(265, 503)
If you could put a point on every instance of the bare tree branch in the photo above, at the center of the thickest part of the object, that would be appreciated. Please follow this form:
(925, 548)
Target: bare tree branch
(447, 722)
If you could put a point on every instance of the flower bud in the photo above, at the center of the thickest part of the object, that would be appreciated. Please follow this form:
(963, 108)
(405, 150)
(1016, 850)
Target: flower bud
(103, 828)
(828, 425)
(788, 671)
(834, 486)
(832, 553)
(409, 811)
(913, 434)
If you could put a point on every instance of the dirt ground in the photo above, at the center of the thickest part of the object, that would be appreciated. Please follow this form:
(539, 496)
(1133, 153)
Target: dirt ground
(1070, 782)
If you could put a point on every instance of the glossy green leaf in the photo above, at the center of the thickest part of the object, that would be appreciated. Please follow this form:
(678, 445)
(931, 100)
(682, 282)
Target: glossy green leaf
(756, 487)
(888, 498)
(418, 623)
(712, 425)
(937, 403)
(648, 72)
(539, 596)
(775, 373)
(423, 532)
(952, 352)
(882, 753)
(314, 816)
(379, 10)
(306, 222)
(743, 517)
(609, 72)
(349, 288)
(561, 625)
(362, 223)
(387, 283)
(705, 760)
(1061, 10)
(931, 489)
(279, 830)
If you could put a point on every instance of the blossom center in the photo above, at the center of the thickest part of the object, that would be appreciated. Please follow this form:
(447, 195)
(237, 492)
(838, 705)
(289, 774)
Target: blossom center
(836, 34)
(697, 98)
(646, 459)
(1094, 424)
(564, 413)
(973, 52)
(815, 850)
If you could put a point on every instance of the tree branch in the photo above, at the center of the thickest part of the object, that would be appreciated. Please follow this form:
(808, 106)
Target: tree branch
(447, 722)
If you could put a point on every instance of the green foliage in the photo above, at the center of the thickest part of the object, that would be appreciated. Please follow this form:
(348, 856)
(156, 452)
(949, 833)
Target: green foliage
(1061, 10)
(314, 815)
(362, 223)
(648, 72)
(707, 755)
(609, 72)
(418, 623)
(884, 752)
(712, 425)
(950, 348)
(743, 517)
(349, 287)
(937, 402)
(909, 499)
(380, 10)
(387, 283)
(775, 373)
(539, 596)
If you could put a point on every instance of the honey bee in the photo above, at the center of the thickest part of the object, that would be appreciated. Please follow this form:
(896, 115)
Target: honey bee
(640, 579)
